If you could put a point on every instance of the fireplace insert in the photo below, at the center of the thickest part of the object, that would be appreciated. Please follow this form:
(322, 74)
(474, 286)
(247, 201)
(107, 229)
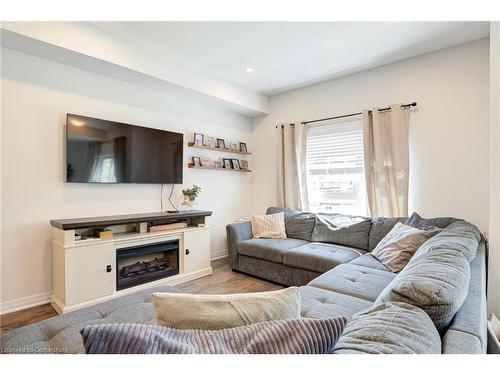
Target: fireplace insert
(141, 264)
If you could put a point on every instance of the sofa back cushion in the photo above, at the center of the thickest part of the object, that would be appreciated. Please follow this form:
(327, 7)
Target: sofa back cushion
(390, 328)
(383, 225)
(200, 311)
(339, 229)
(299, 225)
(437, 282)
(459, 236)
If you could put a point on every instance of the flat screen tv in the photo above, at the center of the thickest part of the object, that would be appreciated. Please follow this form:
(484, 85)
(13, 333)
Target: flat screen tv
(102, 151)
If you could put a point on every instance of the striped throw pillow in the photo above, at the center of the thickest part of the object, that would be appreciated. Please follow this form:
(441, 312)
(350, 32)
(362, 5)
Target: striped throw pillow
(268, 226)
(297, 336)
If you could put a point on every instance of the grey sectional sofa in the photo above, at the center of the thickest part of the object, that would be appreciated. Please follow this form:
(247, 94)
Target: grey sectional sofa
(338, 276)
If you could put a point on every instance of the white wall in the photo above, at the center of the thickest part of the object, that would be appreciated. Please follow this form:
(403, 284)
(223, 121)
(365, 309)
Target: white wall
(448, 136)
(36, 95)
(494, 230)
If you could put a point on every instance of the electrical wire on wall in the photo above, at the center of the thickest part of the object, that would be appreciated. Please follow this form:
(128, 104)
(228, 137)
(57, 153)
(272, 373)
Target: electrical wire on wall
(170, 197)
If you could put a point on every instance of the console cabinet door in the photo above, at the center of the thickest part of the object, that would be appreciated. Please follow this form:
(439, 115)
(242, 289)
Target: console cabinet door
(90, 272)
(196, 250)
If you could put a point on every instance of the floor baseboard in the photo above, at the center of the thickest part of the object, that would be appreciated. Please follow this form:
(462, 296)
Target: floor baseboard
(24, 303)
(219, 255)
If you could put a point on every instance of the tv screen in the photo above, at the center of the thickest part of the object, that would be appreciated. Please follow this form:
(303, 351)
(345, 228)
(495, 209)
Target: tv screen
(101, 151)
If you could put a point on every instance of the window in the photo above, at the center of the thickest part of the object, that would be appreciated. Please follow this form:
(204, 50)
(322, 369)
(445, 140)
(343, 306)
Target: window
(335, 176)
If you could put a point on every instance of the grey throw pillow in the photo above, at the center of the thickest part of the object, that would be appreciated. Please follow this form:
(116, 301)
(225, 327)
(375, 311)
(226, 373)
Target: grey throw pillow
(416, 221)
(390, 328)
(298, 224)
(437, 282)
(352, 231)
(299, 336)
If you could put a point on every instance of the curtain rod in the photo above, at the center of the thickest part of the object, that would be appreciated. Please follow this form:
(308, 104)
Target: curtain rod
(412, 104)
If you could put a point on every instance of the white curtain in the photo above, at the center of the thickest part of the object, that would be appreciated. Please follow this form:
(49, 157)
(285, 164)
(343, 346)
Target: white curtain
(385, 138)
(291, 147)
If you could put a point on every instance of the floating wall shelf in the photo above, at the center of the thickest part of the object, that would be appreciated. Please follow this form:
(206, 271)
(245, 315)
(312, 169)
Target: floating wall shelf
(192, 144)
(221, 169)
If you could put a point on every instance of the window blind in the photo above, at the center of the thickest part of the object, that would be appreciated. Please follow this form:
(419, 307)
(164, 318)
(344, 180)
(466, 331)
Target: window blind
(335, 177)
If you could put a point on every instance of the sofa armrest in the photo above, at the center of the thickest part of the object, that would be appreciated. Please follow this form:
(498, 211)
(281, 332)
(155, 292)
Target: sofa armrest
(236, 233)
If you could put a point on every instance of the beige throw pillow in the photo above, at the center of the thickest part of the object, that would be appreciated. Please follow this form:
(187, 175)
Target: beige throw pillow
(214, 312)
(398, 246)
(268, 226)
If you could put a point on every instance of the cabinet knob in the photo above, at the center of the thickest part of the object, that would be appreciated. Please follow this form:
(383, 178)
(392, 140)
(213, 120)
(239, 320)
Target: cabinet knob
(108, 268)
(187, 251)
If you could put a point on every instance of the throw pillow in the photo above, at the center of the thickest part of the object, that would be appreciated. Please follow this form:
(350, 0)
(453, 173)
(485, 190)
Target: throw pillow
(493, 334)
(198, 311)
(390, 328)
(398, 246)
(298, 336)
(268, 226)
(416, 221)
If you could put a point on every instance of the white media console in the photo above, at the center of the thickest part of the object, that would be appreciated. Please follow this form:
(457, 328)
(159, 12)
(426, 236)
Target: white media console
(89, 270)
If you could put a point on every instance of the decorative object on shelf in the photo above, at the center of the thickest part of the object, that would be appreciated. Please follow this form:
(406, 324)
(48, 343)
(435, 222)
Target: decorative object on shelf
(244, 164)
(197, 161)
(221, 143)
(190, 195)
(198, 139)
(233, 146)
(235, 163)
(210, 142)
(243, 147)
(227, 163)
(218, 164)
(103, 234)
(206, 161)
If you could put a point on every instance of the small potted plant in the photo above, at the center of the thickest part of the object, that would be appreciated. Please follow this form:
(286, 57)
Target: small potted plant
(190, 195)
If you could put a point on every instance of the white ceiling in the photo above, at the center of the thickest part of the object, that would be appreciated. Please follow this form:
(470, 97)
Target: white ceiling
(287, 55)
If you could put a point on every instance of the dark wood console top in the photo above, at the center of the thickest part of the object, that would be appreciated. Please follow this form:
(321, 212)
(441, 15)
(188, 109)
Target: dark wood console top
(100, 221)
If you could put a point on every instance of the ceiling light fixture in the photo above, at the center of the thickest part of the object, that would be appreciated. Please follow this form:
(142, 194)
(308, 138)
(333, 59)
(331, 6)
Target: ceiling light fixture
(249, 70)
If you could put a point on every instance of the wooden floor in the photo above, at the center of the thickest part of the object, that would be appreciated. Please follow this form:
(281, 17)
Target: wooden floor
(222, 281)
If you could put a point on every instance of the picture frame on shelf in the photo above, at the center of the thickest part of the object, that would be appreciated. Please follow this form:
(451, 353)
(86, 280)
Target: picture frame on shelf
(218, 164)
(210, 142)
(198, 139)
(233, 145)
(197, 161)
(221, 143)
(244, 164)
(243, 147)
(236, 164)
(227, 163)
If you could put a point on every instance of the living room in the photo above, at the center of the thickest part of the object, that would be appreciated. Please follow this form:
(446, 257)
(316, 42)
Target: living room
(208, 183)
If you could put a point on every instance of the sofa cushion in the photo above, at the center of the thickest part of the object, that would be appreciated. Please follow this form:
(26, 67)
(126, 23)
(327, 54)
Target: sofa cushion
(458, 236)
(320, 257)
(368, 260)
(341, 229)
(437, 282)
(268, 248)
(203, 311)
(297, 336)
(298, 224)
(321, 303)
(390, 328)
(353, 280)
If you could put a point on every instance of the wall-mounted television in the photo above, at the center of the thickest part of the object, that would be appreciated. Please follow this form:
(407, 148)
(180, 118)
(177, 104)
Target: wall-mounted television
(102, 151)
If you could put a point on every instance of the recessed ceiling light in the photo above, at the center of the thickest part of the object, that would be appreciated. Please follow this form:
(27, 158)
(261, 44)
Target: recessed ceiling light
(249, 70)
